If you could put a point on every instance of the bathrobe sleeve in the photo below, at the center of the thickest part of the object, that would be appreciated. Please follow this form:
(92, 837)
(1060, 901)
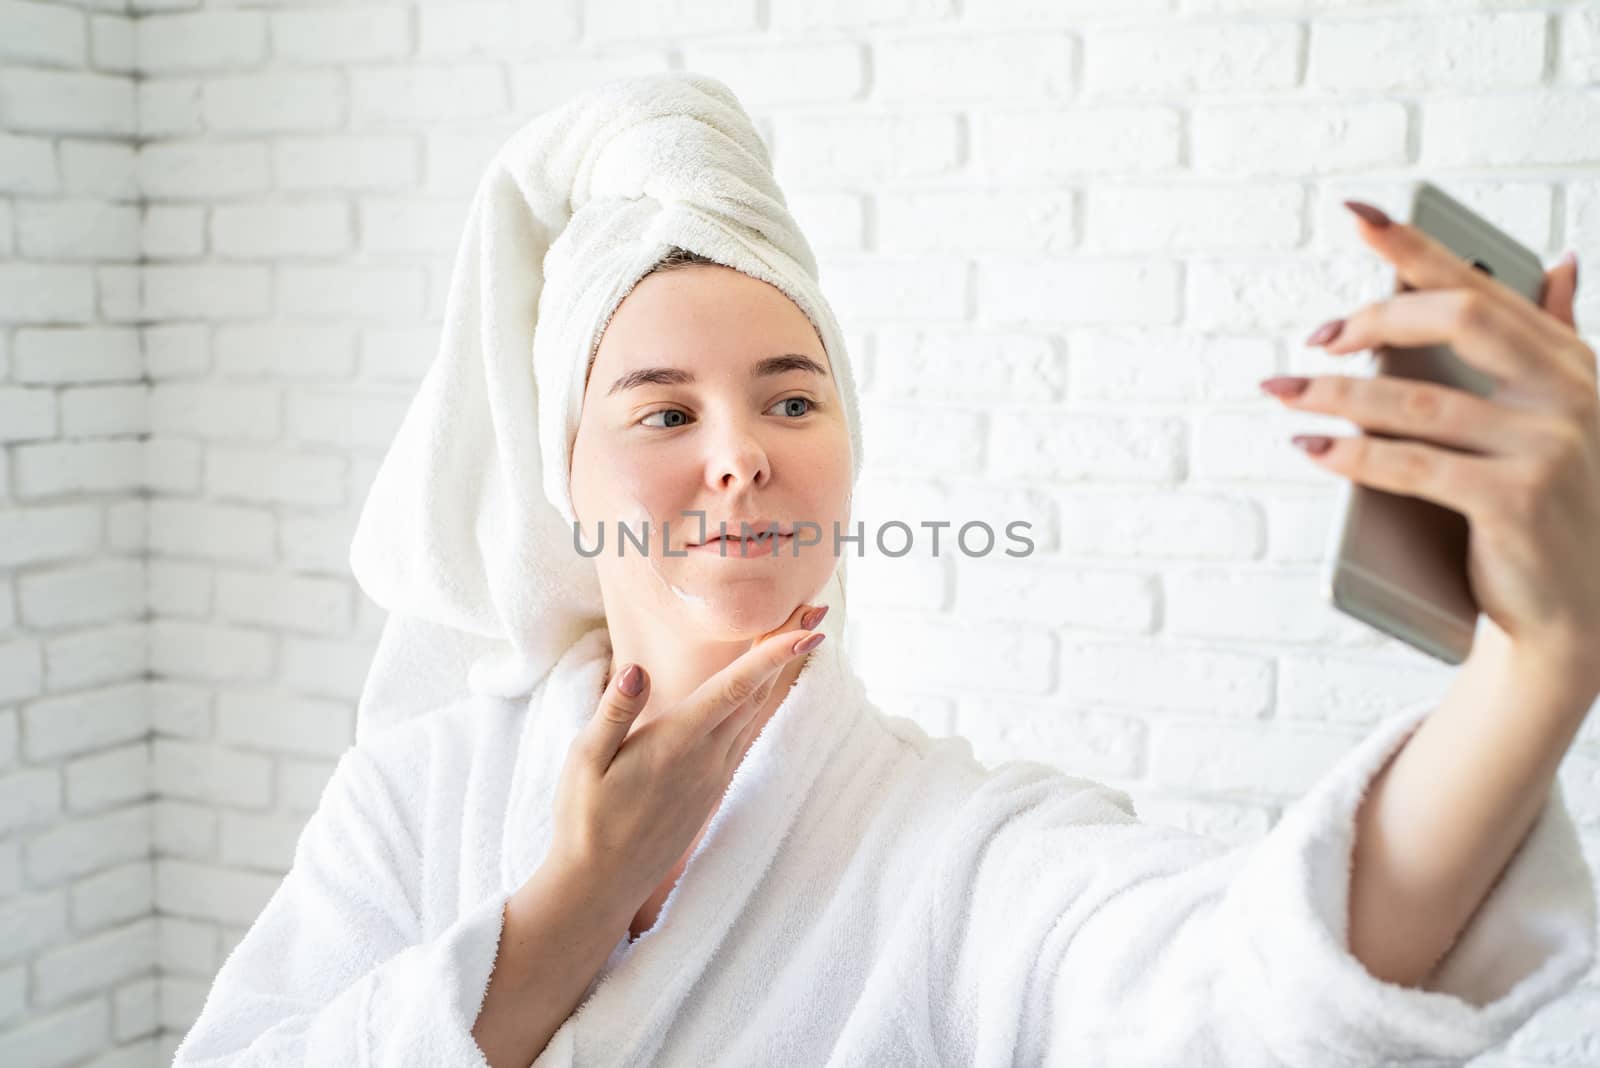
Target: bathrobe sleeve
(1148, 945)
(336, 970)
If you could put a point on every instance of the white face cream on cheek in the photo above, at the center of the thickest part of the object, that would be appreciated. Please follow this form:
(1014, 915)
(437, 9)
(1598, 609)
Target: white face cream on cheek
(647, 530)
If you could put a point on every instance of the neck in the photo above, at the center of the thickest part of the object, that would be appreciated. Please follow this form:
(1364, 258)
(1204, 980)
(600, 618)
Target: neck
(679, 664)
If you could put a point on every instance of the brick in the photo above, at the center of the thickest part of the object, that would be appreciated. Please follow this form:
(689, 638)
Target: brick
(59, 1038)
(911, 439)
(115, 895)
(88, 844)
(260, 231)
(325, 667)
(963, 222)
(301, 782)
(1127, 365)
(545, 82)
(1079, 291)
(29, 797)
(195, 528)
(282, 723)
(1503, 50)
(180, 709)
(80, 593)
(61, 468)
(135, 1011)
(179, 589)
(343, 292)
(105, 411)
(1168, 676)
(99, 168)
(1260, 760)
(967, 367)
(1352, 689)
(202, 40)
(274, 102)
(21, 669)
(190, 771)
(30, 164)
(363, 35)
(95, 657)
(1298, 138)
(1276, 606)
(205, 891)
(1162, 220)
(115, 777)
(1114, 523)
(905, 289)
(403, 225)
(1094, 745)
(111, 43)
(40, 293)
(176, 351)
(1507, 130)
(1020, 146)
(1060, 447)
(203, 651)
(169, 107)
(788, 72)
(839, 14)
(346, 161)
(425, 92)
(1192, 57)
(173, 232)
(95, 964)
(344, 417)
(77, 229)
(274, 476)
(43, 533)
(42, 34)
(847, 148)
(68, 101)
(215, 291)
(172, 465)
(948, 656)
(1052, 592)
(261, 842)
(27, 414)
(183, 829)
(185, 946)
(204, 170)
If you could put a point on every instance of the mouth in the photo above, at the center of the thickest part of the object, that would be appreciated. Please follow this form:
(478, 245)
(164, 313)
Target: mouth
(735, 546)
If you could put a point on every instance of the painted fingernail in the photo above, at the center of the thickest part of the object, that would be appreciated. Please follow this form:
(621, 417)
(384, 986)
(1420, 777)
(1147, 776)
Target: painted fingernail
(805, 645)
(632, 681)
(1285, 385)
(1315, 444)
(1325, 333)
(810, 620)
(1368, 212)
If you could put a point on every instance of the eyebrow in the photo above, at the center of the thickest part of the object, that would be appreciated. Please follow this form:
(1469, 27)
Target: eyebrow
(672, 376)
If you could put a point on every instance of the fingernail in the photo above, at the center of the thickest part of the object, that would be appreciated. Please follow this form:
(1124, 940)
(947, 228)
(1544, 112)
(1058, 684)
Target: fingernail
(1315, 444)
(1368, 212)
(805, 645)
(810, 620)
(632, 681)
(1285, 385)
(1325, 333)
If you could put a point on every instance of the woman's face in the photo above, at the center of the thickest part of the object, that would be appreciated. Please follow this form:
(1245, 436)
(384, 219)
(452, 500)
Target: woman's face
(702, 399)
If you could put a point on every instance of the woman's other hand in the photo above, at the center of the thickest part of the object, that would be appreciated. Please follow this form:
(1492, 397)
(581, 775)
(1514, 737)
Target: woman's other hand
(1523, 465)
(630, 802)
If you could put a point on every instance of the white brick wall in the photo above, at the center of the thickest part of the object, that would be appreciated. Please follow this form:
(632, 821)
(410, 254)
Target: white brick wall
(1065, 239)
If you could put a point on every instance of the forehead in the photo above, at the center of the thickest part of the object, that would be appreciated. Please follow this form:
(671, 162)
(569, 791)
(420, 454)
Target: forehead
(704, 320)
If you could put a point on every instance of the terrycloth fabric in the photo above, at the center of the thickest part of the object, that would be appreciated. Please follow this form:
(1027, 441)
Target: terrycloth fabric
(468, 525)
(868, 896)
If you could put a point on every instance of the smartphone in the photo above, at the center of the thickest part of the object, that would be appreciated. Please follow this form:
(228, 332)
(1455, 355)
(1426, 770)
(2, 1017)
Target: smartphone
(1399, 563)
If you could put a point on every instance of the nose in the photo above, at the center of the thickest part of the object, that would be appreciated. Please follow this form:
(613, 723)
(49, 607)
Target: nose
(737, 460)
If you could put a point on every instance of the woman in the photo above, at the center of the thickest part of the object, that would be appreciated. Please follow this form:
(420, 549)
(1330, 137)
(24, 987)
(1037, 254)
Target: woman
(698, 842)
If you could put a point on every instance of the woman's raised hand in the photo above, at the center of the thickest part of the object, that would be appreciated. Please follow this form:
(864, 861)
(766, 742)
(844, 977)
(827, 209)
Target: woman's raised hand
(628, 805)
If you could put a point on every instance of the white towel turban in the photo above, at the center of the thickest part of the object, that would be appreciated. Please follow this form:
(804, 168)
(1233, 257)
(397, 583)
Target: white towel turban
(466, 534)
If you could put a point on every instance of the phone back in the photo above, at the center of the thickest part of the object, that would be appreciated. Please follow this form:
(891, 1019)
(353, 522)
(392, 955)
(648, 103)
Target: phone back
(1399, 563)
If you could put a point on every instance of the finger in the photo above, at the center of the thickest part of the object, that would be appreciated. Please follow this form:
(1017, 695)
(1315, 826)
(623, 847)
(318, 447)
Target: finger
(1467, 484)
(1414, 409)
(1422, 261)
(729, 689)
(1561, 290)
(804, 617)
(606, 730)
(1485, 333)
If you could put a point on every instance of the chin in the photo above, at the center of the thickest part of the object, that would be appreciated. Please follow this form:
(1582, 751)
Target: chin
(740, 611)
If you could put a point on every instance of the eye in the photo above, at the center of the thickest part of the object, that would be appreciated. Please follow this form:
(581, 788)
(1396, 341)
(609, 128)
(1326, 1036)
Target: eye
(811, 404)
(664, 411)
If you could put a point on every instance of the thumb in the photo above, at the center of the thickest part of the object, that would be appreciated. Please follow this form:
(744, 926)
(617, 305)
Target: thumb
(1561, 289)
(608, 728)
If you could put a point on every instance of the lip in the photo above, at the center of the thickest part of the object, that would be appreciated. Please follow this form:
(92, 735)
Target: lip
(739, 549)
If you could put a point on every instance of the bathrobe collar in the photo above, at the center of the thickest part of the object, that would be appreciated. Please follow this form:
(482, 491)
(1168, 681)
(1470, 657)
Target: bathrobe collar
(761, 804)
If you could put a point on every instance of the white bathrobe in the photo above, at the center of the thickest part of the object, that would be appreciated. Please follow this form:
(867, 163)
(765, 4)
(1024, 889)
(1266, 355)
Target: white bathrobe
(866, 895)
